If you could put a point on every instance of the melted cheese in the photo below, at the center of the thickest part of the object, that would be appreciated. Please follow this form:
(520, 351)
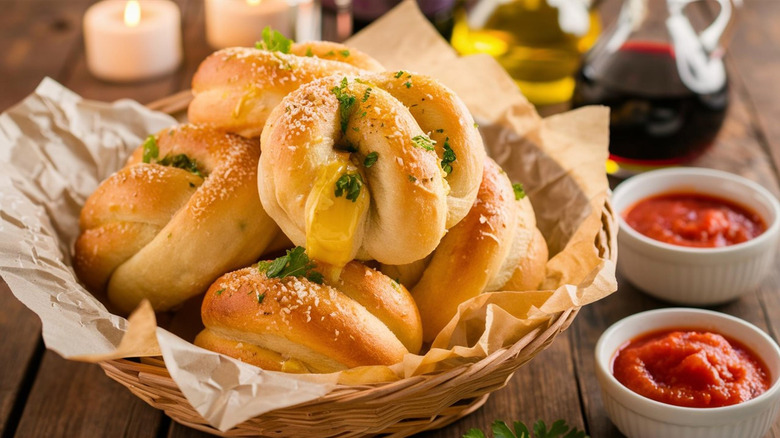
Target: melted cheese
(332, 222)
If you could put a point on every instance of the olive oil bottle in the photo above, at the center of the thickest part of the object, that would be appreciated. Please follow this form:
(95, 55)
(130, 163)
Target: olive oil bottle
(526, 37)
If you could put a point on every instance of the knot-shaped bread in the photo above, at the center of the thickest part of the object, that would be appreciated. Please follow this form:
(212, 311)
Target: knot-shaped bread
(371, 167)
(183, 211)
(294, 324)
(236, 88)
(497, 246)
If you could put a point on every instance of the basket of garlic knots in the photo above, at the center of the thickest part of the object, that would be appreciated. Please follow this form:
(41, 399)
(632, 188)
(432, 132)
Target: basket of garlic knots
(330, 246)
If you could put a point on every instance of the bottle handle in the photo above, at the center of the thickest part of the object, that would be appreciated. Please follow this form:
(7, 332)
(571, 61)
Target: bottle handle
(711, 36)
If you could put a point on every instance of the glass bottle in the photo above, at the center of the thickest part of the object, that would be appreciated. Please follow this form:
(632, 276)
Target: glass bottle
(664, 81)
(539, 42)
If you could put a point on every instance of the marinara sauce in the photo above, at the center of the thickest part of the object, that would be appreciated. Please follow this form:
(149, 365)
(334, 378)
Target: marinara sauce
(692, 219)
(691, 368)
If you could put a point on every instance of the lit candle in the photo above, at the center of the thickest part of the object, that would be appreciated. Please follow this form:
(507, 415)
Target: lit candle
(231, 23)
(132, 40)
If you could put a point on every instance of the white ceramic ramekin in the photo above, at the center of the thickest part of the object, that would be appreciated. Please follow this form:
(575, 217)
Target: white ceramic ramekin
(696, 276)
(639, 417)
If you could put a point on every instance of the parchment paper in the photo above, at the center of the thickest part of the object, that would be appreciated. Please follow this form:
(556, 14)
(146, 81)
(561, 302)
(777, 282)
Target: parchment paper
(55, 148)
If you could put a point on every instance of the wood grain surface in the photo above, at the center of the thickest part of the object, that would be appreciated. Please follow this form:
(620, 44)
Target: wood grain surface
(43, 395)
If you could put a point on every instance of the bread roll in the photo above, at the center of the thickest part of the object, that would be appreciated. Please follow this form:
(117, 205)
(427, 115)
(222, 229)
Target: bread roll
(293, 324)
(495, 247)
(165, 233)
(389, 136)
(235, 89)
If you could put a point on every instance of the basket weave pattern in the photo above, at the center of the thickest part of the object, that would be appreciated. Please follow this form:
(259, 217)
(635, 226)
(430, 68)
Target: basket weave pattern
(399, 408)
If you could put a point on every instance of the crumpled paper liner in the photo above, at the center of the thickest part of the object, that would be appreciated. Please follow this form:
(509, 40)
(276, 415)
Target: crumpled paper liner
(55, 148)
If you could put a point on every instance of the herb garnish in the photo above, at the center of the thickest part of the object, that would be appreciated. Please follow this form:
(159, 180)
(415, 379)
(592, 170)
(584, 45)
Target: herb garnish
(219, 292)
(501, 430)
(351, 184)
(448, 157)
(423, 141)
(331, 53)
(399, 74)
(412, 178)
(181, 161)
(367, 94)
(151, 151)
(408, 84)
(260, 298)
(371, 159)
(295, 263)
(346, 103)
(274, 41)
(519, 191)
(309, 53)
(344, 53)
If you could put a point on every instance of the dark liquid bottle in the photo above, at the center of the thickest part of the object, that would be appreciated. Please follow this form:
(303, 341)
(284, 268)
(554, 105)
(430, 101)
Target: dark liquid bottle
(655, 119)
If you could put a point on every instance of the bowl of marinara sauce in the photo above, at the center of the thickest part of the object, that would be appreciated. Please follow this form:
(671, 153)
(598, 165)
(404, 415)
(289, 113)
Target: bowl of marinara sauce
(684, 372)
(695, 236)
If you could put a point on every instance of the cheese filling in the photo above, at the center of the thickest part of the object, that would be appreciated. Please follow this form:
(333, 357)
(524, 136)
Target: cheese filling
(333, 222)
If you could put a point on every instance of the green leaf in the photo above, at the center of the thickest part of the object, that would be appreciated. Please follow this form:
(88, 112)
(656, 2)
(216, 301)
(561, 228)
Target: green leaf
(474, 433)
(349, 183)
(295, 263)
(151, 151)
(181, 161)
(501, 430)
(521, 430)
(219, 292)
(277, 266)
(344, 53)
(371, 159)
(274, 41)
(399, 74)
(346, 103)
(260, 298)
(367, 94)
(448, 157)
(424, 142)
(519, 191)
(309, 53)
(408, 84)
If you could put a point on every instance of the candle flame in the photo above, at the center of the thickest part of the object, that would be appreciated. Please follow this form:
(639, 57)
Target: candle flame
(253, 2)
(132, 13)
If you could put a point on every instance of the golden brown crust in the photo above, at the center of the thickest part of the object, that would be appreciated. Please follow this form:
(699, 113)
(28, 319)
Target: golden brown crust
(317, 325)
(495, 247)
(235, 89)
(146, 229)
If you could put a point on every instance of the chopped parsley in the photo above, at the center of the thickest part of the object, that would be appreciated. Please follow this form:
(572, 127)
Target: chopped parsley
(448, 157)
(371, 159)
(399, 74)
(274, 41)
(295, 263)
(181, 161)
(440, 131)
(412, 178)
(519, 191)
(346, 103)
(260, 298)
(344, 53)
(424, 142)
(331, 53)
(309, 53)
(349, 185)
(219, 292)
(151, 151)
(408, 84)
(367, 94)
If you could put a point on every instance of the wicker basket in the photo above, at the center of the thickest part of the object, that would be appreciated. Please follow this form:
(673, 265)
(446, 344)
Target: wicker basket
(399, 408)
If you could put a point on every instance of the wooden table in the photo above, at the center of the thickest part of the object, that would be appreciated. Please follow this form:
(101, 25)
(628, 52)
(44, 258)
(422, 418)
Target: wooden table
(43, 395)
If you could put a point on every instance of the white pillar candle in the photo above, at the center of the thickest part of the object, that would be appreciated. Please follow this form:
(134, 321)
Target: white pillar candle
(136, 47)
(231, 23)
